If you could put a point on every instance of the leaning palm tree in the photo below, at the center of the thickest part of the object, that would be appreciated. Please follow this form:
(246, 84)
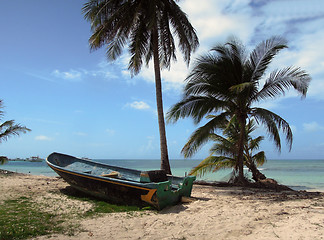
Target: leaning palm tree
(8, 129)
(147, 27)
(223, 153)
(252, 161)
(227, 82)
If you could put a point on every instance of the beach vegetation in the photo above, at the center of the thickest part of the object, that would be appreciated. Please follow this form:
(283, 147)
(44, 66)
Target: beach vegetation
(147, 27)
(3, 159)
(24, 217)
(21, 219)
(223, 152)
(227, 83)
(9, 129)
(101, 206)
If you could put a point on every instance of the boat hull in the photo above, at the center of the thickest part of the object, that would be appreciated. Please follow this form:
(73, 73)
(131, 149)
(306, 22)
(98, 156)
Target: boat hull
(130, 190)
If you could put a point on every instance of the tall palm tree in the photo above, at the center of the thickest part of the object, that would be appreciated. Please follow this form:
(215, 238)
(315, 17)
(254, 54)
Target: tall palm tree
(228, 82)
(8, 129)
(147, 27)
(223, 153)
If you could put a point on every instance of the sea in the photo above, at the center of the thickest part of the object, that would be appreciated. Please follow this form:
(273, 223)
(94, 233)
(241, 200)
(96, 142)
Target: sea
(302, 174)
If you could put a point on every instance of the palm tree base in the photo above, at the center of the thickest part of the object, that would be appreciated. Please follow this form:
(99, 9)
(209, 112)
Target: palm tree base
(268, 184)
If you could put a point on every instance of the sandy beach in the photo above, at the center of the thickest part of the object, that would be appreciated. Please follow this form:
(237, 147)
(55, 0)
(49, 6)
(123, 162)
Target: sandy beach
(215, 213)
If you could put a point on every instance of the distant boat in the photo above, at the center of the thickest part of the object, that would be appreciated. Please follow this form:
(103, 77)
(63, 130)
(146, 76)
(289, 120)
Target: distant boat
(121, 185)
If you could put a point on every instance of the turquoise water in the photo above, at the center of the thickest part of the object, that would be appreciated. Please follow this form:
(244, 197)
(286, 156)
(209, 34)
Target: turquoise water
(298, 174)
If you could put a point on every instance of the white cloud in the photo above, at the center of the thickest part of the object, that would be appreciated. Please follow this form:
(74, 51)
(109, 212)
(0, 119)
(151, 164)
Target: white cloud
(312, 127)
(150, 145)
(139, 105)
(172, 79)
(72, 75)
(103, 71)
(251, 21)
(110, 132)
(43, 138)
(216, 20)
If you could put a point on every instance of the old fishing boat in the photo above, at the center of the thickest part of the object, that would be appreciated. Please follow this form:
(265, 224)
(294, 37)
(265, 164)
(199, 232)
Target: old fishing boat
(121, 185)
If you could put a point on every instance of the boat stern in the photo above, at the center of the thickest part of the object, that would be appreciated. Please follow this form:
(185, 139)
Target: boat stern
(169, 192)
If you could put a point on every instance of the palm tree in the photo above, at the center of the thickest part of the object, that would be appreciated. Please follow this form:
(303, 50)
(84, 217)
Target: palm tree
(223, 153)
(228, 83)
(252, 161)
(9, 129)
(3, 160)
(147, 27)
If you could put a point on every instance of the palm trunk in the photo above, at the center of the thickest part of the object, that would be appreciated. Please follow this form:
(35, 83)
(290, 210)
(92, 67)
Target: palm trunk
(240, 160)
(165, 165)
(256, 174)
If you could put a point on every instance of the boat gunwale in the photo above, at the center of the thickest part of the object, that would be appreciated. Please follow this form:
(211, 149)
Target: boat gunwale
(127, 182)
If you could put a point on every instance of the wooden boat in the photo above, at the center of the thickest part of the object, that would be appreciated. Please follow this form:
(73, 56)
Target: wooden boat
(121, 185)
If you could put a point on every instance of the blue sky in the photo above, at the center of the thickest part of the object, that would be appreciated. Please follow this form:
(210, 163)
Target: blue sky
(77, 103)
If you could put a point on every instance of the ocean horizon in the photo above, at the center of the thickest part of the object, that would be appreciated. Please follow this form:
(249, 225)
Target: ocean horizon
(299, 174)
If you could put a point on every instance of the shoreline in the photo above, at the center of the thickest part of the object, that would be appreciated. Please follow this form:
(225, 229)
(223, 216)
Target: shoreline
(257, 213)
(296, 174)
(197, 182)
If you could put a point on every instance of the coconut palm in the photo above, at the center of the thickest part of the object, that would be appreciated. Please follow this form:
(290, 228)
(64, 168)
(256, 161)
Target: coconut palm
(223, 153)
(147, 27)
(8, 129)
(3, 160)
(252, 161)
(227, 82)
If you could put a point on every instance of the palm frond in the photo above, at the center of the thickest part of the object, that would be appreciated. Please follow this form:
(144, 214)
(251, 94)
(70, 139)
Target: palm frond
(259, 158)
(211, 75)
(188, 39)
(196, 107)
(138, 47)
(274, 123)
(114, 21)
(211, 163)
(9, 129)
(201, 136)
(281, 80)
(262, 55)
(1, 111)
(254, 143)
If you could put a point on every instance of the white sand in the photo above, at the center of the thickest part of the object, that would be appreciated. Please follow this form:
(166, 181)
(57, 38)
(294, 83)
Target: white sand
(217, 213)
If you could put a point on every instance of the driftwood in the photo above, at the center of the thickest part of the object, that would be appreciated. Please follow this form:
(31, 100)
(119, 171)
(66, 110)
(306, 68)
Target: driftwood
(267, 183)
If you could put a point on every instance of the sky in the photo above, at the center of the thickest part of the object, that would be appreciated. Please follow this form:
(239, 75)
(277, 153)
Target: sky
(78, 103)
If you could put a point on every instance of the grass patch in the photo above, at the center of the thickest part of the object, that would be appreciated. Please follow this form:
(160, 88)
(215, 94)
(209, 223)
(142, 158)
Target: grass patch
(105, 207)
(100, 206)
(21, 219)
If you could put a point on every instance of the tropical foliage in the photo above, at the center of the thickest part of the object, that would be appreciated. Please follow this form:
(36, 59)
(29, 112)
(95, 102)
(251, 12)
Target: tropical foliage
(8, 129)
(227, 82)
(147, 27)
(3, 160)
(223, 153)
